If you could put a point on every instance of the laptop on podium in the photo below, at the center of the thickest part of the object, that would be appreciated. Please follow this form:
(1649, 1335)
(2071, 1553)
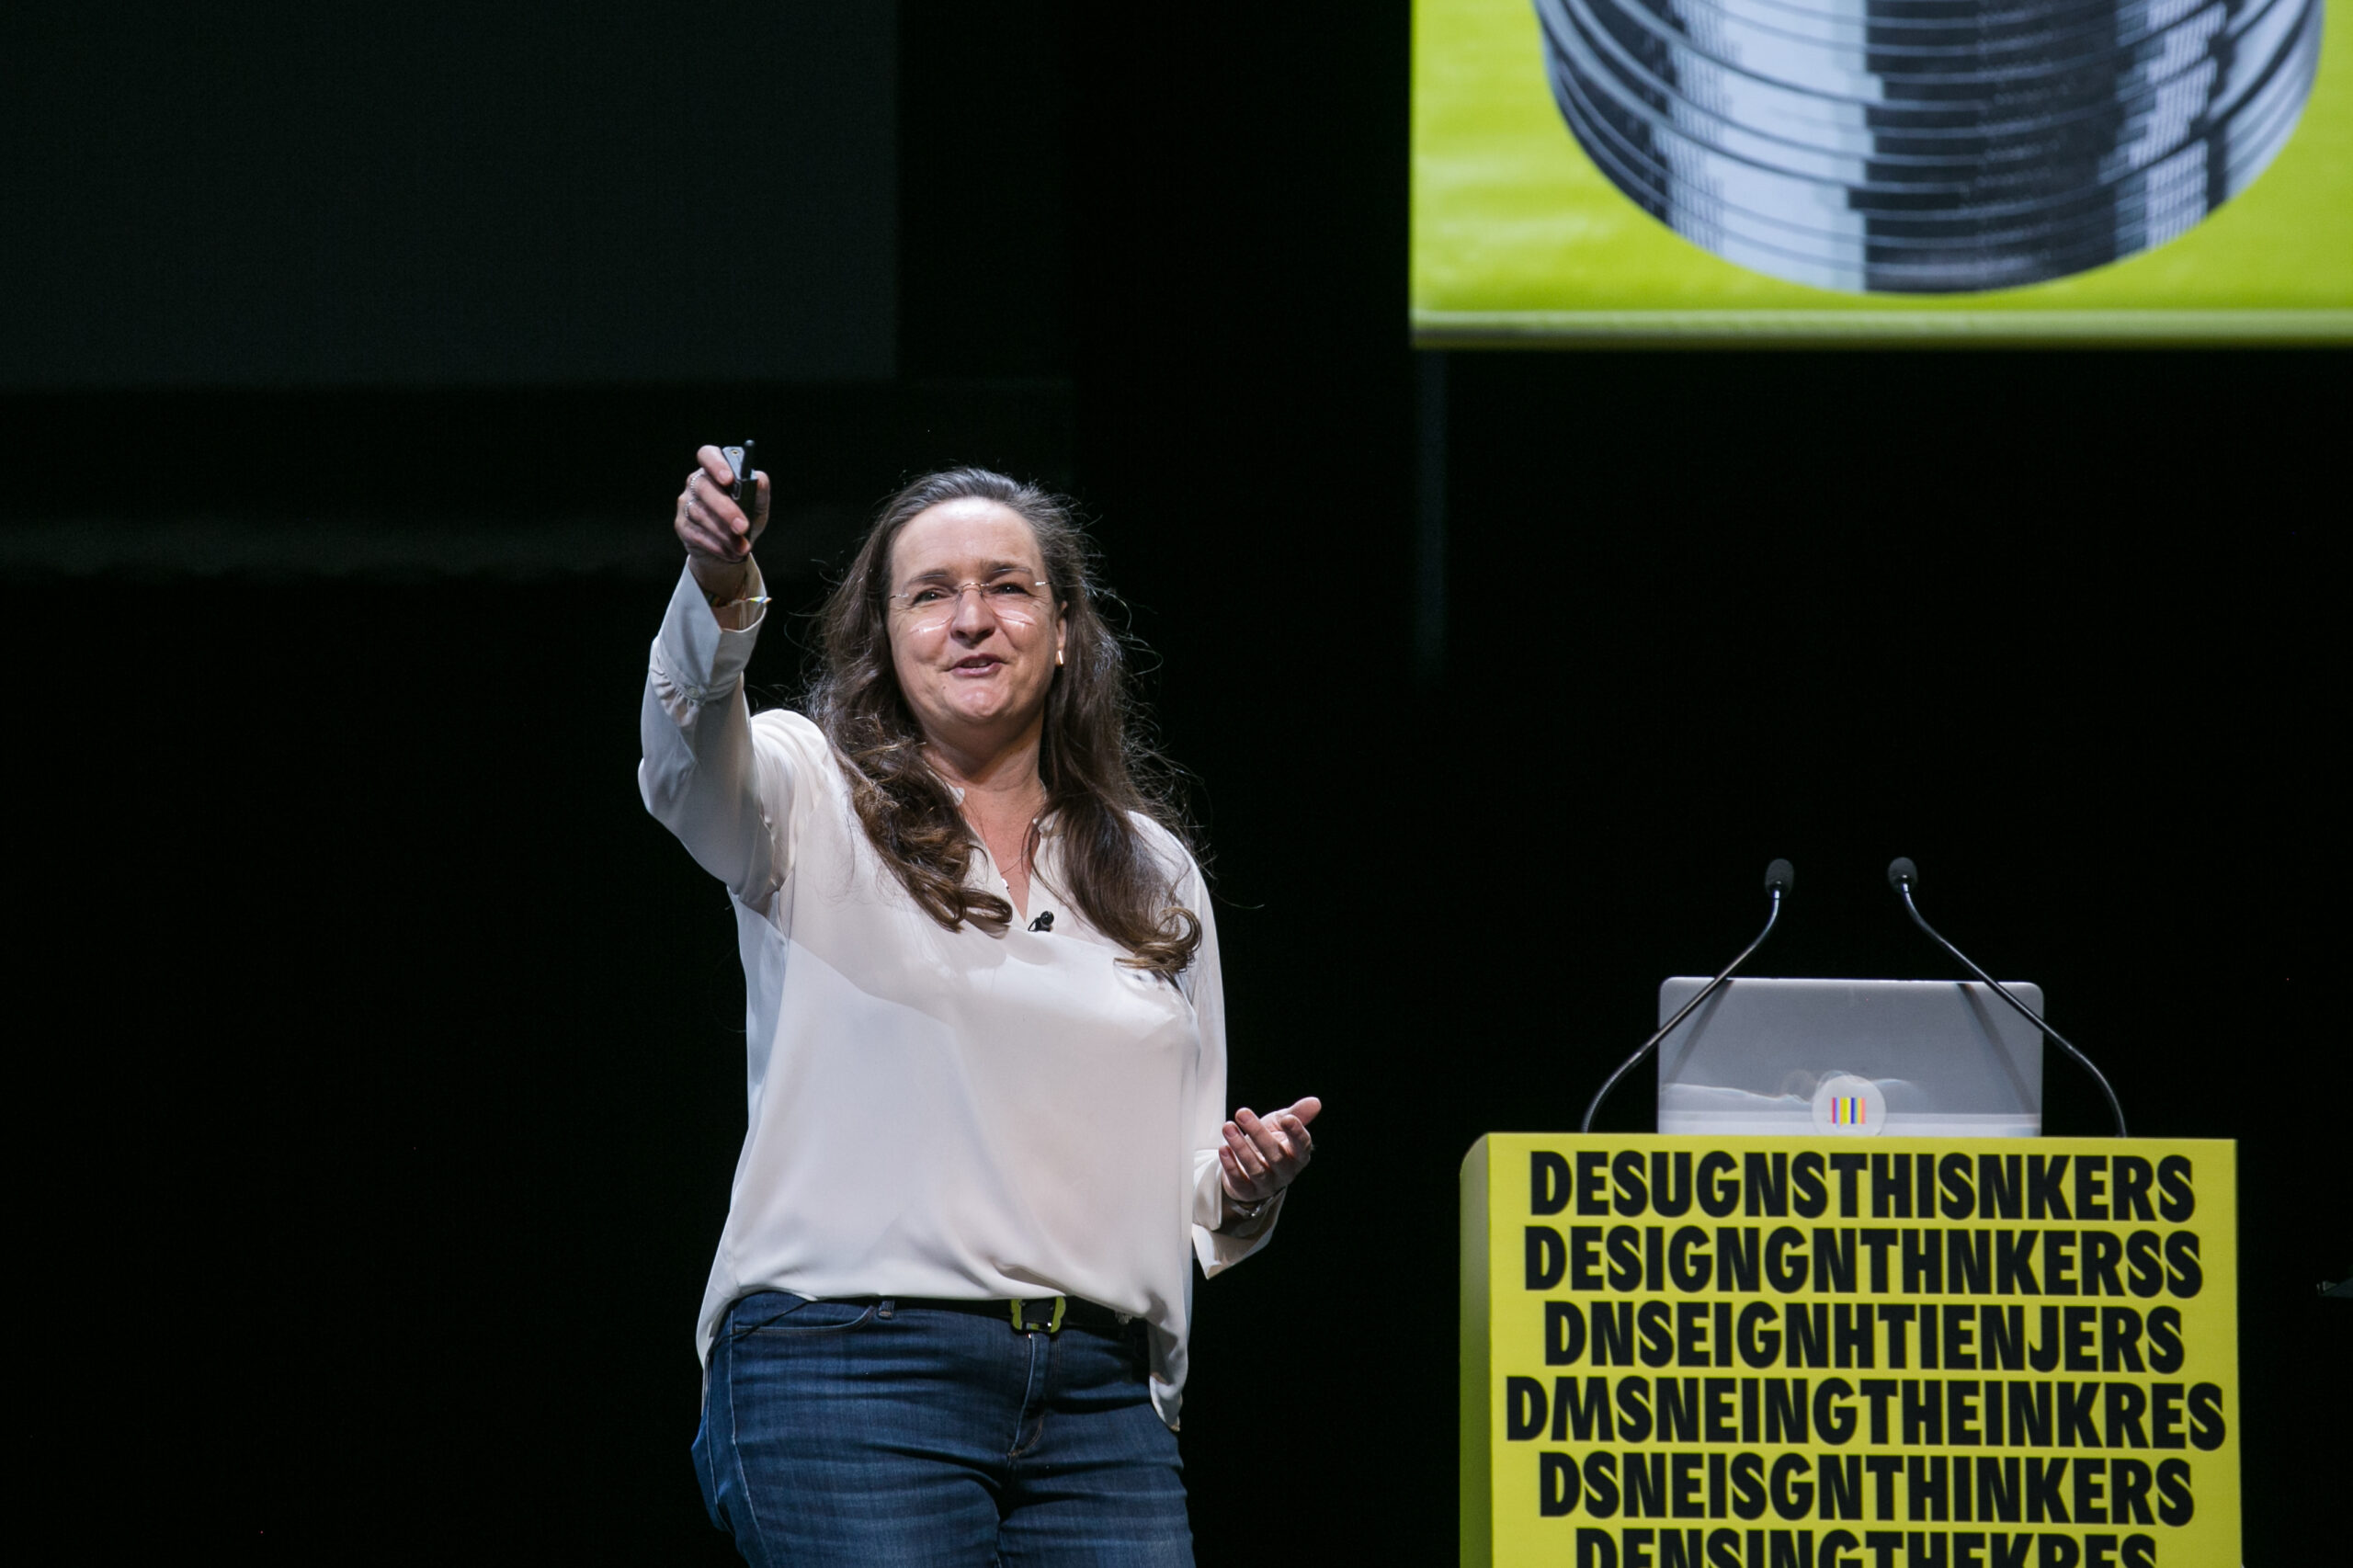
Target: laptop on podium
(1850, 1058)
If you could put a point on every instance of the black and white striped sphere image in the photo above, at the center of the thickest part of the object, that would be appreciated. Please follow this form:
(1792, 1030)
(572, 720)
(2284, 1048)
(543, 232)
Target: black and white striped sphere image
(1930, 146)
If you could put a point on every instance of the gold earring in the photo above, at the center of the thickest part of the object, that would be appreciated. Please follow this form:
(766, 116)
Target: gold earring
(1058, 658)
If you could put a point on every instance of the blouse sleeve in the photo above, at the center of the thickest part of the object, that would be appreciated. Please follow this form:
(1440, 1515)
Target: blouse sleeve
(1203, 982)
(722, 782)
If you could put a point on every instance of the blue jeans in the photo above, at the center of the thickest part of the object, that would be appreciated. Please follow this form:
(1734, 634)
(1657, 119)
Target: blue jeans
(881, 1435)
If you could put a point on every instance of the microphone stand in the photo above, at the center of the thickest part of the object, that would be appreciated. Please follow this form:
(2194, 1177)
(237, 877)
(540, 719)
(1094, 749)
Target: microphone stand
(1903, 873)
(1778, 877)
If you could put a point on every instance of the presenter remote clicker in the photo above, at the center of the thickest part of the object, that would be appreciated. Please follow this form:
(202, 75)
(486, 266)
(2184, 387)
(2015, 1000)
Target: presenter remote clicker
(745, 490)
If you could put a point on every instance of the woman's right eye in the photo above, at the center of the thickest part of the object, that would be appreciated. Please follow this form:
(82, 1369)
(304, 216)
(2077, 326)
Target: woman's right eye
(927, 596)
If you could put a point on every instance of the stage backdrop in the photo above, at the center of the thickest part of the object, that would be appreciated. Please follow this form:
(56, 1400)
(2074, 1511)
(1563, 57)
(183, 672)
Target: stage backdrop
(333, 193)
(1608, 171)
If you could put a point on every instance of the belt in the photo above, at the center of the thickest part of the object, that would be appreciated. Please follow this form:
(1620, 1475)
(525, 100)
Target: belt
(1026, 1314)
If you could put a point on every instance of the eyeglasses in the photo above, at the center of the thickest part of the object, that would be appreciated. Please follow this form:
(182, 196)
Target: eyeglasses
(1017, 601)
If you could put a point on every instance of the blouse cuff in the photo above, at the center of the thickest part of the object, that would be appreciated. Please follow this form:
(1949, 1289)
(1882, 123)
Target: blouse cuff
(699, 656)
(1221, 1250)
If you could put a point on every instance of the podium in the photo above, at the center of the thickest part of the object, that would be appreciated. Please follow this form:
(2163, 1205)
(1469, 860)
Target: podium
(1830, 1352)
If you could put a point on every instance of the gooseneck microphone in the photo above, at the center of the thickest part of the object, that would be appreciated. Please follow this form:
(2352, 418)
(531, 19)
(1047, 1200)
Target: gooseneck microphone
(1903, 876)
(1778, 877)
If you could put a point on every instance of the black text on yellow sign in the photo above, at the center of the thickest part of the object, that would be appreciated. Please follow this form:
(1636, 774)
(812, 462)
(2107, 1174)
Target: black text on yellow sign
(1899, 1353)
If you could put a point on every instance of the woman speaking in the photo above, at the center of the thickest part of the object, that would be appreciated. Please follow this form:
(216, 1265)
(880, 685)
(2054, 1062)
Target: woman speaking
(946, 1323)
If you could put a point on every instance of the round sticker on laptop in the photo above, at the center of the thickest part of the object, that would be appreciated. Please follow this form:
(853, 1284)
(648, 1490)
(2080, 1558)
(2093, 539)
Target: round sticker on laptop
(1849, 1107)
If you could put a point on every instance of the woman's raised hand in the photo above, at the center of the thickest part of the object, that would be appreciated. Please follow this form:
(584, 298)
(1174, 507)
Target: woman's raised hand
(1264, 1154)
(714, 530)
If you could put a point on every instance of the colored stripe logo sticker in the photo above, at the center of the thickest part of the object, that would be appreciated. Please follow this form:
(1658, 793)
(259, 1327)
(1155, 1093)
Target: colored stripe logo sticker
(1849, 1104)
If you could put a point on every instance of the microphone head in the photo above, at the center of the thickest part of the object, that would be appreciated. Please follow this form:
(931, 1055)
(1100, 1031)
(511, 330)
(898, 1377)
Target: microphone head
(1778, 877)
(1901, 873)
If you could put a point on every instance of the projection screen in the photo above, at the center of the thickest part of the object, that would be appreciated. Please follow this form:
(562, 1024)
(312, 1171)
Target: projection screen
(1613, 172)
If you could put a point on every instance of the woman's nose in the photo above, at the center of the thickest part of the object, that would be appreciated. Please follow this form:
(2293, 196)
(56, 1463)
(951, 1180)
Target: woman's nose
(974, 616)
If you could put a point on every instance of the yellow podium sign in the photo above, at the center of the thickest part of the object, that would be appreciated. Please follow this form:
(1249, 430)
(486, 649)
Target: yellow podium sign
(1848, 1352)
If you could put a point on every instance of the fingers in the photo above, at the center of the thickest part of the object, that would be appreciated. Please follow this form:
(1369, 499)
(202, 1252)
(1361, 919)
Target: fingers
(1261, 1155)
(1238, 1184)
(703, 528)
(1267, 1142)
(1242, 1158)
(1305, 1108)
(708, 522)
(719, 472)
(1281, 1139)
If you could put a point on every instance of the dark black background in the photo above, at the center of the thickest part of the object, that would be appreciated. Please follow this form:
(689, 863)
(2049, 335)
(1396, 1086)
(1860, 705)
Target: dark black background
(442, 192)
(381, 1059)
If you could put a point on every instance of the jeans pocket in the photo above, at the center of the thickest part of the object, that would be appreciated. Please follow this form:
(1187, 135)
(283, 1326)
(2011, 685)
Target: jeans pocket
(775, 1311)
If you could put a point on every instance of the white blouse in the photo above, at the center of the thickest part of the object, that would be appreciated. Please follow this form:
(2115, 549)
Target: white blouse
(934, 1113)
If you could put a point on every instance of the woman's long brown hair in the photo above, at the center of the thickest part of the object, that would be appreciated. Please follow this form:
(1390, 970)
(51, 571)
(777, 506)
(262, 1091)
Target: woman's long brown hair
(1096, 759)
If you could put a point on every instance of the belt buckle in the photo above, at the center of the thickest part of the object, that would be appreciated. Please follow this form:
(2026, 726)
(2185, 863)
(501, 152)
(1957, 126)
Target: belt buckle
(1054, 1322)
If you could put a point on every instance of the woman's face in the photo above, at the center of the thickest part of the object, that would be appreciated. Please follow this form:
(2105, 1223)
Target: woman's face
(974, 631)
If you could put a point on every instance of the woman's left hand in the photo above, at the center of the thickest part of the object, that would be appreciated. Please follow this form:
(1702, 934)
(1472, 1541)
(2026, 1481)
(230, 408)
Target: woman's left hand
(1264, 1154)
